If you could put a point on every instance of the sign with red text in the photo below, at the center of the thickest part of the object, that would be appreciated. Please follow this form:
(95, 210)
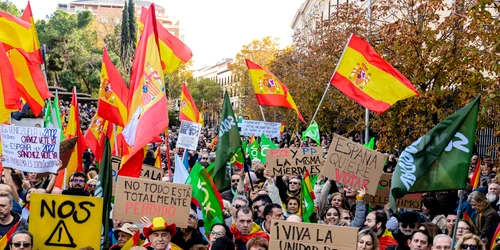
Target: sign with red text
(412, 201)
(294, 161)
(352, 164)
(136, 197)
(297, 235)
(31, 149)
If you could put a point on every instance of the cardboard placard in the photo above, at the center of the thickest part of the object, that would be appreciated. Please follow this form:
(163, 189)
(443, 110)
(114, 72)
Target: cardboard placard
(151, 173)
(412, 201)
(295, 161)
(296, 235)
(189, 135)
(31, 149)
(256, 128)
(353, 164)
(56, 221)
(140, 197)
(115, 166)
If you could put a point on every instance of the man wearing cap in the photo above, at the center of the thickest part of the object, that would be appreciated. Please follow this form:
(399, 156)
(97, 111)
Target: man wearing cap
(123, 234)
(159, 234)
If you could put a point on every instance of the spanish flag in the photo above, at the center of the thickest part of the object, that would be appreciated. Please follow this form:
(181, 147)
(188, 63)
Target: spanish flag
(5, 239)
(368, 79)
(474, 180)
(134, 241)
(173, 52)
(94, 136)
(15, 32)
(158, 158)
(74, 130)
(147, 111)
(495, 236)
(9, 97)
(189, 112)
(113, 93)
(269, 90)
(34, 55)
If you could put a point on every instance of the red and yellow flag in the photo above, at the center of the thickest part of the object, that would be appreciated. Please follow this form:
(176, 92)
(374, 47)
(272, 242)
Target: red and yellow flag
(307, 182)
(173, 52)
(15, 33)
(269, 90)
(147, 111)
(5, 239)
(364, 76)
(34, 55)
(474, 180)
(74, 130)
(113, 93)
(94, 136)
(9, 97)
(495, 236)
(189, 112)
(134, 241)
(158, 158)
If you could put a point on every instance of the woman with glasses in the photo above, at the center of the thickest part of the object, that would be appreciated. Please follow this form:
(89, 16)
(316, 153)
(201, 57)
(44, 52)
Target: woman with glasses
(463, 228)
(91, 184)
(218, 230)
(470, 242)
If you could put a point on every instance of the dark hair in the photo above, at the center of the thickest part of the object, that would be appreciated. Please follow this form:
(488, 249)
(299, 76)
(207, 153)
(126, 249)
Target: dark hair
(432, 204)
(292, 198)
(264, 198)
(79, 174)
(268, 210)
(328, 208)
(226, 228)
(244, 210)
(223, 243)
(431, 229)
(381, 216)
(21, 232)
(422, 232)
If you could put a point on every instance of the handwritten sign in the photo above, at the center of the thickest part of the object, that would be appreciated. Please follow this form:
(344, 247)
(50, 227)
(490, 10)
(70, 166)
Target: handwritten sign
(354, 165)
(294, 161)
(189, 135)
(412, 201)
(147, 172)
(256, 128)
(31, 149)
(56, 221)
(295, 235)
(140, 197)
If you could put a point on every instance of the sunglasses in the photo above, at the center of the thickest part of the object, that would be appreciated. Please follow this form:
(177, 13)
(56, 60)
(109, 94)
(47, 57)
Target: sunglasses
(204, 158)
(21, 244)
(237, 206)
(294, 183)
(467, 246)
(235, 180)
(256, 207)
(192, 216)
(92, 185)
(405, 225)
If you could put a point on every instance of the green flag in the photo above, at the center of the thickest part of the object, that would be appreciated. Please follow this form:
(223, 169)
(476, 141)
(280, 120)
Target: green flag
(104, 189)
(307, 198)
(312, 132)
(265, 143)
(47, 116)
(52, 116)
(206, 195)
(371, 143)
(227, 145)
(439, 160)
(254, 150)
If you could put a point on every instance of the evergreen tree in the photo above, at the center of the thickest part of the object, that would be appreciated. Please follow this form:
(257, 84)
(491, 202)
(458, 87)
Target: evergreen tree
(132, 26)
(124, 45)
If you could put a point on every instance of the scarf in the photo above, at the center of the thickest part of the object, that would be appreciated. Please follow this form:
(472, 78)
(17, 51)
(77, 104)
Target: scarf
(256, 231)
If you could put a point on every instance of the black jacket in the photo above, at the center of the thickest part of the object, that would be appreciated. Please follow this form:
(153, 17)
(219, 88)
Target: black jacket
(196, 238)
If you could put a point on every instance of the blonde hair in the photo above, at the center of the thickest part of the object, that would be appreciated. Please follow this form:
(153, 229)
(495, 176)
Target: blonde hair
(372, 236)
(480, 198)
(479, 242)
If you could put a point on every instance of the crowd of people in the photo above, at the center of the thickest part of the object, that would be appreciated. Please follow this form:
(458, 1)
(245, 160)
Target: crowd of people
(255, 198)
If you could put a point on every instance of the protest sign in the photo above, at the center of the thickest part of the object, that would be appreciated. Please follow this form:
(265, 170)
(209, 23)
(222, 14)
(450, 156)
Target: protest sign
(353, 164)
(256, 128)
(295, 235)
(412, 201)
(115, 166)
(140, 197)
(189, 135)
(151, 173)
(294, 161)
(56, 221)
(31, 149)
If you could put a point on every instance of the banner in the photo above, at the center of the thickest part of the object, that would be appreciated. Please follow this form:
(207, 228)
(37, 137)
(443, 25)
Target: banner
(354, 165)
(147, 172)
(256, 128)
(189, 135)
(412, 201)
(140, 197)
(295, 161)
(296, 235)
(31, 149)
(57, 221)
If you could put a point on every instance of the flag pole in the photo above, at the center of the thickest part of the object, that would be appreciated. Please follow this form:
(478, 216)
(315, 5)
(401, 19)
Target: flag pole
(262, 112)
(459, 211)
(367, 111)
(328, 85)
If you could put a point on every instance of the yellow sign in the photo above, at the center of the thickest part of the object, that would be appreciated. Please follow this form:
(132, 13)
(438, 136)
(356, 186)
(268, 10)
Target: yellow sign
(57, 221)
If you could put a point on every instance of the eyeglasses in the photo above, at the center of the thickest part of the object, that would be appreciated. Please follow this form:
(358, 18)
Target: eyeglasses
(237, 206)
(92, 185)
(405, 225)
(256, 207)
(235, 180)
(21, 244)
(218, 234)
(78, 181)
(467, 246)
(346, 218)
(204, 158)
(294, 183)
(463, 229)
(192, 216)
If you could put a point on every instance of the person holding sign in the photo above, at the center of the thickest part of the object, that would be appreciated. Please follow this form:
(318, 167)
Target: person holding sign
(159, 233)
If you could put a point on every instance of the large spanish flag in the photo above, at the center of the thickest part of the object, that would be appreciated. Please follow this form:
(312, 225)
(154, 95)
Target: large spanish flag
(113, 93)
(15, 32)
(34, 55)
(364, 76)
(74, 130)
(173, 52)
(9, 97)
(147, 111)
(269, 90)
(189, 112)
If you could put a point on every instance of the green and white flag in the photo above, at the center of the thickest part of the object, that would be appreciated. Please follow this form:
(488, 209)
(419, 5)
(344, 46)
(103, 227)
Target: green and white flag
(228, 143)
(312, 132)
(439, 160)
(254, 150)
(265, 143)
